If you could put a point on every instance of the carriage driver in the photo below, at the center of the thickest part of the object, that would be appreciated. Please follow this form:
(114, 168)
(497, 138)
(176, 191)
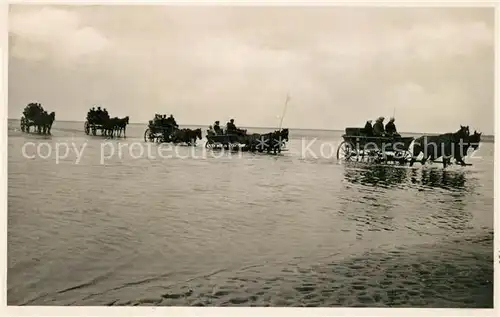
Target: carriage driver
(378, 127)
(171, 121)
(390, 128)
(230, 126)
(217, 128)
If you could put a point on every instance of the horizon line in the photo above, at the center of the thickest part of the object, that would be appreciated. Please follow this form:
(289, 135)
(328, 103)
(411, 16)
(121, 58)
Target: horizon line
(261, 127)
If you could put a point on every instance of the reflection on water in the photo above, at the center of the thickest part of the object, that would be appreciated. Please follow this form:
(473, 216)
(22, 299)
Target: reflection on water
(439, 178)
(384, 176)
(376, 175)
(377, 198)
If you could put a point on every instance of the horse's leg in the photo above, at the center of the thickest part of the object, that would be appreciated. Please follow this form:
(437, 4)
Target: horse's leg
(445, 161)
(415, 153)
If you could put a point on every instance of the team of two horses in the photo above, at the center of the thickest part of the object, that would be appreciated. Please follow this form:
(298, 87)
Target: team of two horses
(114, 126)
(186, 136)
(447, 146)
(272, 141)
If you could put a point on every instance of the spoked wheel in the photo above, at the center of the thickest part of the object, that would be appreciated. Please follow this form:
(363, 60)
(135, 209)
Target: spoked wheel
(86, 128)
(403, 157)
(346, 151)
(147, 135)
(209, 144)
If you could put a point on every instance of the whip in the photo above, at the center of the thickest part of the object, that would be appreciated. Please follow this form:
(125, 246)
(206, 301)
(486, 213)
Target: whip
(284, 110)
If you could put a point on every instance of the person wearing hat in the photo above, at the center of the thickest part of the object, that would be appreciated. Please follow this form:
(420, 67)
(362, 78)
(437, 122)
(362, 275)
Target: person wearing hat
(368, 129)
(172, 121)
(217, 128)
(390, 128)
(230, 126)
(210, 131)
(378, 127)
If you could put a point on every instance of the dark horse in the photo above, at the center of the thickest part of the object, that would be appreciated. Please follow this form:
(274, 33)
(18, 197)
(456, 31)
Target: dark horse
(272, 141)
(187, 136)
(443, 145)
(471, 142)
(45, 122)
(114, 126)
(121, 125)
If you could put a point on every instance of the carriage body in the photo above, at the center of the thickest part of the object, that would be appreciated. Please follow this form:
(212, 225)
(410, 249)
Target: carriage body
(267, 142)
(26, 123)
(158, 133)
(224, 141)
(93, 126)
(357, 146)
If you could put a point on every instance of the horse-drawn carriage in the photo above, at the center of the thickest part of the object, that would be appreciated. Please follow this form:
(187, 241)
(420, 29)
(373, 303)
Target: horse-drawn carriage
(35, 116)
(357, 146)
(165, 130)
(99, 120)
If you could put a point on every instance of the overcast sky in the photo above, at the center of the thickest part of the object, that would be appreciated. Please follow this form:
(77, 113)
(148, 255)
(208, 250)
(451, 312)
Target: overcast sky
(341, 66)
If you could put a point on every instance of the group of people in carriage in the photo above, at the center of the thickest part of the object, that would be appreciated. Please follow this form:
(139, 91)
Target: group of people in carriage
(34, 115)
(163, 122)
(164, 125)
(99, 119)
(231, 129)
(97, 116)
(378, 129)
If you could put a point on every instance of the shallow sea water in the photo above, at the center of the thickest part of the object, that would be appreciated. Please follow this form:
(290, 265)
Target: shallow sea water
(248, 230)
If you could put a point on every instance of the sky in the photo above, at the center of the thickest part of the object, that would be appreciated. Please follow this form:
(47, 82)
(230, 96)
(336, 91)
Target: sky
(341, 66)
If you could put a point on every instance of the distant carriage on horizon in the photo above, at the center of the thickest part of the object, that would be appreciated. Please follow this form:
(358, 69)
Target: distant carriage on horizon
(99, 120)
(34, 115)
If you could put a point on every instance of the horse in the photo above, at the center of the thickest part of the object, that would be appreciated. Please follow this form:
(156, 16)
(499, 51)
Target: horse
(109, 126)
(443, 145)
(121, 125)
(272, 141)
(46, 122)
(460, 152)
(187, 136)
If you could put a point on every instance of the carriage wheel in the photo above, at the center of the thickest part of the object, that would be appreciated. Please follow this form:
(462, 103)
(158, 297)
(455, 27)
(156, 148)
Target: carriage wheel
(209, 144)
(23, 124)
(86, 128)
(346, 151)
(403, 156)
(147, 135)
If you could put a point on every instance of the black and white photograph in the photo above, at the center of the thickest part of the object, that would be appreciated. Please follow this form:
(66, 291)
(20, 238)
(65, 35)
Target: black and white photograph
(297, 156)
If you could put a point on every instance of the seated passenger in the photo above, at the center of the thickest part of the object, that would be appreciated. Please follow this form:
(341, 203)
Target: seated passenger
(217, 128)
(378, 127)
(368, 129)
(210, 131)
(390, 128)
(230, 126)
